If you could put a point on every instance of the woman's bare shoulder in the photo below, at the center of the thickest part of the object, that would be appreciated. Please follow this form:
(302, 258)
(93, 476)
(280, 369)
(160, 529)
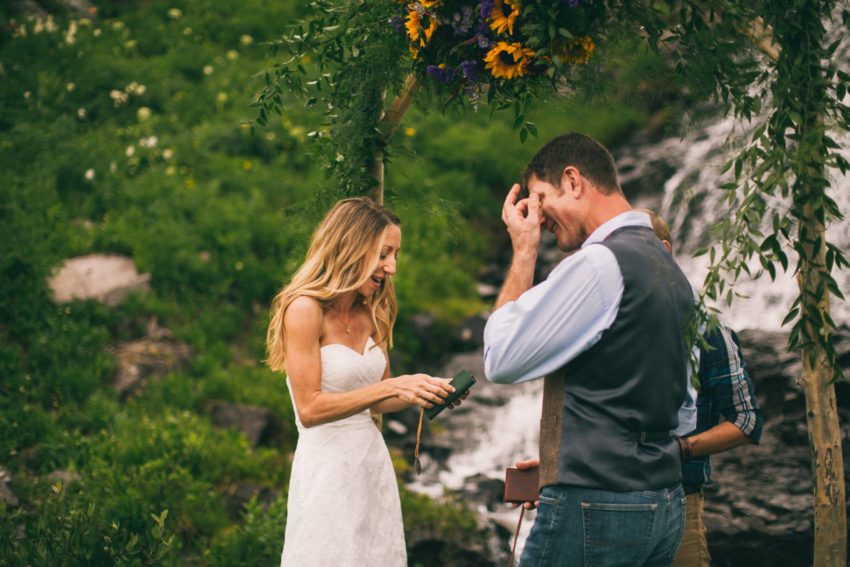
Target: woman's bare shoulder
(304, 313)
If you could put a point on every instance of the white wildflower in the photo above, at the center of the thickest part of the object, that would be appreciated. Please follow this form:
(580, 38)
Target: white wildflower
(27, 95)
(170, 170)
(70, 87)
(130, 44)
(246, 39)
(135, 88)
(71, 34)
(118, 25)
(50, 25)
(232, 54)
(149, 142)
(97, 32)
(89, 174)
(143, 113)
(187, 31)
(118, 97)
(221, 98)
(167, 153)
(130, 151)
(208, 69)
(81, 113)
(175, 13)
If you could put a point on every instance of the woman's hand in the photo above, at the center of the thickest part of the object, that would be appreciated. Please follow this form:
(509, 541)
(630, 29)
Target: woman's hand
(421, 390)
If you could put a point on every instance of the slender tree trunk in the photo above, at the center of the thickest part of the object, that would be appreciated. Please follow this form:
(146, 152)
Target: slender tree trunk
(830, 545)
(389, 123)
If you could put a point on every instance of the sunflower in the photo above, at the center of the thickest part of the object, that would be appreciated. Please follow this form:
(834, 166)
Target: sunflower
(420, 27)
(504, 14)
(508, 60)
(576, 50)
(429, 3)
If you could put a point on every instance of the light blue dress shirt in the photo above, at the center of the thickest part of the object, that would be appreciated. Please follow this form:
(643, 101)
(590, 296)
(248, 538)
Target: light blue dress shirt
(558, 319)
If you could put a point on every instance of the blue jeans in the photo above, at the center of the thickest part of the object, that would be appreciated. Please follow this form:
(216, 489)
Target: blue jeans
(578, 527)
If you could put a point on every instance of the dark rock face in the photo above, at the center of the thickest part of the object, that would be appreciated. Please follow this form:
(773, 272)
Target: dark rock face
(759, 510)
(258, 424)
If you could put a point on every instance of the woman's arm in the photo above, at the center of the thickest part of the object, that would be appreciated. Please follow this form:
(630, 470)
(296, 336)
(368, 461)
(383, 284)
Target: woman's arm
(303, 324)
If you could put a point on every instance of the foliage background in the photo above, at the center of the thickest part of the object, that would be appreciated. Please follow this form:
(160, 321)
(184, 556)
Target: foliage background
(130, 133)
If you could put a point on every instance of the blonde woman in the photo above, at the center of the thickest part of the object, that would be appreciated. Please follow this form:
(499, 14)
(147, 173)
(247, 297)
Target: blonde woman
(330, 330)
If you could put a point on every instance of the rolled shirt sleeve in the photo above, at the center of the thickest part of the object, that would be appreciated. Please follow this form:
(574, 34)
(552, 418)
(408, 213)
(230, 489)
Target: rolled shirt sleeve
(556, 320)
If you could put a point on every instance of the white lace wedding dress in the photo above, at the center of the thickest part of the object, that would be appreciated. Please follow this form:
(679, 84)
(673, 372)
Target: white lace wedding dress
(343, 506)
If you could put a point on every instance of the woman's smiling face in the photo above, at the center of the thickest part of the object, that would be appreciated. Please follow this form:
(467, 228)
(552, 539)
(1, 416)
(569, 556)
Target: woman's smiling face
(390, 246)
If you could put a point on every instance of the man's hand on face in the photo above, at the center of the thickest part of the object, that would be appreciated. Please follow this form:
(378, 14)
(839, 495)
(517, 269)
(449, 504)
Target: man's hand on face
(523, 220)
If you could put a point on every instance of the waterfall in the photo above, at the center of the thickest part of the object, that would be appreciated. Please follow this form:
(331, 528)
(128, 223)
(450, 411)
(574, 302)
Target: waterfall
(498, 425)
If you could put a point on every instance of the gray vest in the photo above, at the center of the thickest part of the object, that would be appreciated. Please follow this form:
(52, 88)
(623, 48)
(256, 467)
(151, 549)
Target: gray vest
(607, 413)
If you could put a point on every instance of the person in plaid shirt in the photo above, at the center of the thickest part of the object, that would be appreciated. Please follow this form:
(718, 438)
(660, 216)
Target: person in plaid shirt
(725, 389)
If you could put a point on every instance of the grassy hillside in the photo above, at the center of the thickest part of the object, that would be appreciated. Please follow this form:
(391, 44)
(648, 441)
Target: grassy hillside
(129, 132)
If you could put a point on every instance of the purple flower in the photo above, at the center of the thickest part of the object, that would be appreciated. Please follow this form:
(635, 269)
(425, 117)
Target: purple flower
(571, 3)
(486, 8)
(469, 69)
(398, 23)
(481, 37)
(440, 74)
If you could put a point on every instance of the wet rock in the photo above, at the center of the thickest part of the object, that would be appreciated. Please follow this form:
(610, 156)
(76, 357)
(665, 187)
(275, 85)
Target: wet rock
(469, 332)
(395, 427)
(258, 424)
(483, 490)
(6, 495)
(144, 360)
(105, 278)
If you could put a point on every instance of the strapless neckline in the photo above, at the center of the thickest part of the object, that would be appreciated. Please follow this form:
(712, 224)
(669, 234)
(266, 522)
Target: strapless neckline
(348, 348)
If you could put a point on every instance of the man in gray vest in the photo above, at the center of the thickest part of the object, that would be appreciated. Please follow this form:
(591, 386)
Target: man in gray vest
(607, 329)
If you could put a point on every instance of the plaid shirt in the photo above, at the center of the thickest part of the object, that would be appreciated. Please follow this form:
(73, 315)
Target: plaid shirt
(725, 389)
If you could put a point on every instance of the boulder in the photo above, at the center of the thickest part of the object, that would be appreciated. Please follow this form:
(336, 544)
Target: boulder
(143, 360)
(65, 477)
(258, 424)
(102, 277)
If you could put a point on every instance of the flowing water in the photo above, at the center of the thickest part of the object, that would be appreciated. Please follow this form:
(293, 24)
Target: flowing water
(499, 424)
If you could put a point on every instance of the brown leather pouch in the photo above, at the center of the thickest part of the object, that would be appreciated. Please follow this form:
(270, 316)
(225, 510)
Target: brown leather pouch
(521, 485)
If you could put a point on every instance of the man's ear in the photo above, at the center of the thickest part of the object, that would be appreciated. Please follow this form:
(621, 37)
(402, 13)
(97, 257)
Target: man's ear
(571, 180)
(667, 245)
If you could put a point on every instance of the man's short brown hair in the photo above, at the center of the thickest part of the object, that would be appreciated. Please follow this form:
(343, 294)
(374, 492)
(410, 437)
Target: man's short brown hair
(590, 157)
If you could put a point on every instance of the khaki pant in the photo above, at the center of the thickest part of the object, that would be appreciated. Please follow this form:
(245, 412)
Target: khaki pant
(693, 551)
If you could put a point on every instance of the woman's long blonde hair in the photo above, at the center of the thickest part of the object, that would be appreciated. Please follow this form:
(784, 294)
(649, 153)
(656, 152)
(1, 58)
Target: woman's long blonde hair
(343, 253)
